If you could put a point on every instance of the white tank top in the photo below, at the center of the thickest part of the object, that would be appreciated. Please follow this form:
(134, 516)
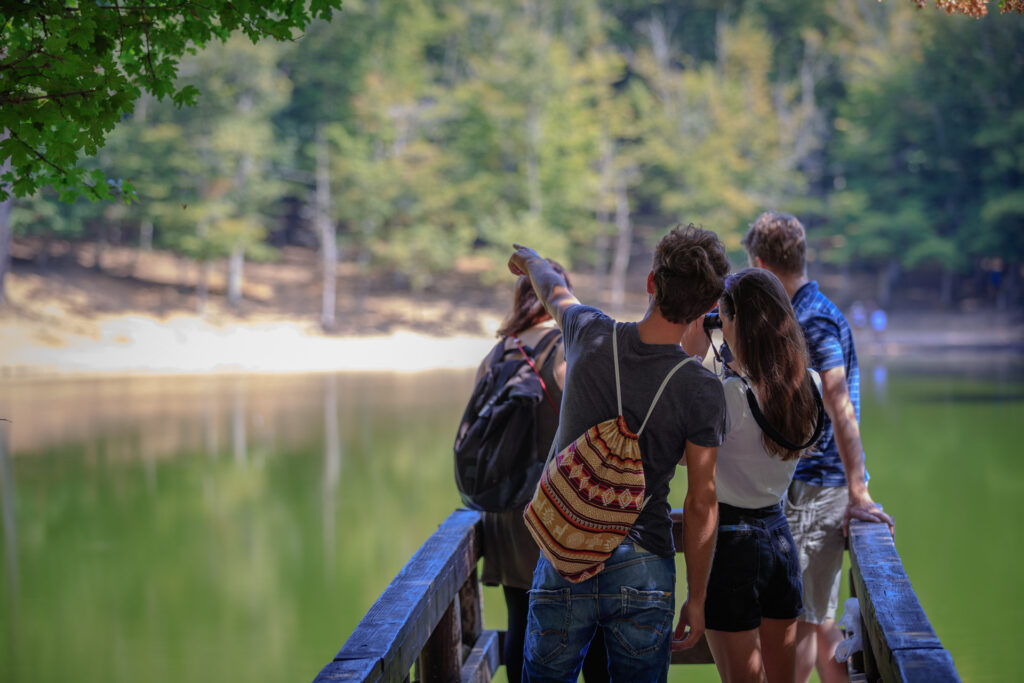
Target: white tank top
(746, 475)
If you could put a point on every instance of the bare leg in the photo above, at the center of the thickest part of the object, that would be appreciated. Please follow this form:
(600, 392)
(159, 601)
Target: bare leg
(829, 670)
(806, 650)
(737, 656)
(778, 649)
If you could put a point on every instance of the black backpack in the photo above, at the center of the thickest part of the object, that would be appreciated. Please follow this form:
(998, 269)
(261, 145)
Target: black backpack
(498, 460)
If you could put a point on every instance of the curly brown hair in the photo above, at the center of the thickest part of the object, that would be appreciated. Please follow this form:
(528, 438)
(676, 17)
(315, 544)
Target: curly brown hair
(780, 241)
(689, 268)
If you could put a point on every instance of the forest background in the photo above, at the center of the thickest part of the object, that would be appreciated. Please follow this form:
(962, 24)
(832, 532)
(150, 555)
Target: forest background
(403, 146)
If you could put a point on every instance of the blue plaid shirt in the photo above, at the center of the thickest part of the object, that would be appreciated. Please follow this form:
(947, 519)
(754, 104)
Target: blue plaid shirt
(830, 344)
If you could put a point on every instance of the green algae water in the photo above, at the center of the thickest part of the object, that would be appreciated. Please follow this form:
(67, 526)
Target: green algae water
(207, 529)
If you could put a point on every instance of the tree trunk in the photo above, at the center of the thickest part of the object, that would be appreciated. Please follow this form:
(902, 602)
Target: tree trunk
(533, 135)
(236, 263)
(1009, 286)
(603, 242)
(624, 242)
(5, 245)
(947, 288)
(202, 287)
(5, 228)
(886, 278)
(146, 236)
(326, 230)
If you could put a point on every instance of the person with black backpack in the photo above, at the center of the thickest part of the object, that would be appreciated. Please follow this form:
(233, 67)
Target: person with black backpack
(500, 448)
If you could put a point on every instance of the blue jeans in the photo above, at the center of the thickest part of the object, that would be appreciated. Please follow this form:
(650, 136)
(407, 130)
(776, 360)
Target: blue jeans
(632, 600)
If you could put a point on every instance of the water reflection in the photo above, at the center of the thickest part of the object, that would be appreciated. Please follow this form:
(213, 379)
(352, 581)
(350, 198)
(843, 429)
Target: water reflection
(238, 441)
(209, 528)
(332, 467)
(214, 528)
(7, 507)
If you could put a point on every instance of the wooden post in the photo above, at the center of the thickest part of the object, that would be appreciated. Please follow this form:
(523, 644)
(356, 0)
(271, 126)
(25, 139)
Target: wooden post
(855, 664)
(441, 659)
(471, 610)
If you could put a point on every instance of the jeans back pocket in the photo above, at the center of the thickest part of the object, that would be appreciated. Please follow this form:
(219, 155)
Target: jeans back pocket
(644, 621)
(548, 623)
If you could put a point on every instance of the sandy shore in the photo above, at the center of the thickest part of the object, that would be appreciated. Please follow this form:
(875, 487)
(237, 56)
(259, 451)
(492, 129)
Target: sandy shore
(73, 321)
(136, 344)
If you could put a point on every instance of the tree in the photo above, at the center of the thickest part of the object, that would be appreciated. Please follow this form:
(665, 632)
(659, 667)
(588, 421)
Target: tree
(69, 71)
(973, 8)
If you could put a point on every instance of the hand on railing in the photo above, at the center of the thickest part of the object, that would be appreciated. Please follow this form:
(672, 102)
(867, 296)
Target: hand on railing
(690, 627)
(862, 507)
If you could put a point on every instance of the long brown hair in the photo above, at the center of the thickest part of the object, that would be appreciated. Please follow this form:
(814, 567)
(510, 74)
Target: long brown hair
(527, 310)
(771, 347)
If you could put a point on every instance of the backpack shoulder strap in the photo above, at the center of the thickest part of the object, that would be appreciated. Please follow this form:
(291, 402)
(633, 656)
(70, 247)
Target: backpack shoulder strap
(615, 357)
(546, 346)
(664, 383)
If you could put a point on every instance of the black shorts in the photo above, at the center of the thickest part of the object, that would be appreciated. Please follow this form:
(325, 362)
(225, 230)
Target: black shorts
(756, 570)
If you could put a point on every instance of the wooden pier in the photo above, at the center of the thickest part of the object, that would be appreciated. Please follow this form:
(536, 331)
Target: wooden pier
(427, 626)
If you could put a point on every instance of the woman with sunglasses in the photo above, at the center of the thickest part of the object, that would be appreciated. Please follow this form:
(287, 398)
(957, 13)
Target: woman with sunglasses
(773, 409)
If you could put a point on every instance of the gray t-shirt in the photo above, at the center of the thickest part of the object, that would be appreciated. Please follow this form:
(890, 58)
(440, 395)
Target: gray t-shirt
(692, 408)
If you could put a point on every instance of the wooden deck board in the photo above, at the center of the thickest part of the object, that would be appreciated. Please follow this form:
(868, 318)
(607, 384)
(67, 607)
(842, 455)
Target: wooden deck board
(483, 660)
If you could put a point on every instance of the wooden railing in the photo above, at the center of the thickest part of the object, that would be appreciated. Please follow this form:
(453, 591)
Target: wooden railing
(428, 624)
(899, 642)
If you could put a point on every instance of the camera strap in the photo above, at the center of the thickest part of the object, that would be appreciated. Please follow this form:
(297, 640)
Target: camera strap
(773, 433)
(725, 357)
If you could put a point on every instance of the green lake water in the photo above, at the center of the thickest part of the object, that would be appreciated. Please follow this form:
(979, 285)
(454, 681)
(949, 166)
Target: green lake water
(213, 529)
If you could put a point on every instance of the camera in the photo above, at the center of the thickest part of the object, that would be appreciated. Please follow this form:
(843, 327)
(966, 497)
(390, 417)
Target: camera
(712, 321)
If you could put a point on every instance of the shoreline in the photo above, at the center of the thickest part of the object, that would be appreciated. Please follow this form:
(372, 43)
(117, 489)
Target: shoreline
(185, 345)
(181, 345)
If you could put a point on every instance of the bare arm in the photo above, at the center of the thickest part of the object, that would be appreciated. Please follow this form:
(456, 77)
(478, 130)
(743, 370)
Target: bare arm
(700, 526)
(547, 283)
(839, 407)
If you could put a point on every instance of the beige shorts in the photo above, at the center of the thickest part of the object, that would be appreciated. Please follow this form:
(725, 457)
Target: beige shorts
(815, 515)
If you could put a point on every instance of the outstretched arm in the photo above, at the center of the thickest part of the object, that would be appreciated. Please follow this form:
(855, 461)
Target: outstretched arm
(550, 287)
(700, 527)
(836, 397)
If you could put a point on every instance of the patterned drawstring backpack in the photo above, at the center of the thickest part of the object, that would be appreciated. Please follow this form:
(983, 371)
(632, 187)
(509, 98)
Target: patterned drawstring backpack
(591, 492)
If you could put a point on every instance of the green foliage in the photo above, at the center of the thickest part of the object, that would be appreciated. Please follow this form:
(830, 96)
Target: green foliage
(458, 127)
(69, 71)
(931, 147)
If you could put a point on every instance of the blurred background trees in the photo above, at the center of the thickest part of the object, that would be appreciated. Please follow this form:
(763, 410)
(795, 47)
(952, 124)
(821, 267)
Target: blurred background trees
(402, 136)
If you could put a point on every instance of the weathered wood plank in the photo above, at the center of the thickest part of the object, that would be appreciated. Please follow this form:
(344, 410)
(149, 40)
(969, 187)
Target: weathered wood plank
(897, 629)
(441, 658)
(882, 582)
(369, 670)
(931, 666)
(471, 604)
(677, 528)
(400, 622)
(698, 654)
(483, 660)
